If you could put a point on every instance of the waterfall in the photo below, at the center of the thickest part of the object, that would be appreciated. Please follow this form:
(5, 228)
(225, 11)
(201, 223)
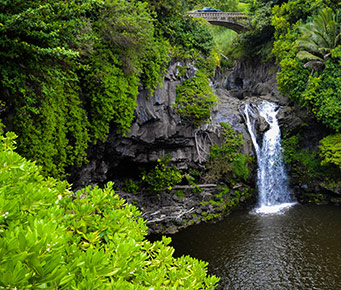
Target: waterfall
(272, 179)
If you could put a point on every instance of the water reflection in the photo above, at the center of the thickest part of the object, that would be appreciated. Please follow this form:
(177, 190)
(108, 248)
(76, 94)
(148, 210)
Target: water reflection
(300, 249)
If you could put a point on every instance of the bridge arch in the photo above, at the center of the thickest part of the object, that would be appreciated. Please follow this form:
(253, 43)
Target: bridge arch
(236, 21)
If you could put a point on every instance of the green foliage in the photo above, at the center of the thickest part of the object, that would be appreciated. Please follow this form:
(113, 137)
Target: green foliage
(194, 99)
(303, 162)
(292, 78)
(224, 39)
(111, 94)
(238, 197)
(192, 34)
(53, 238)
(154, 64)
(226, 162)
(166, 10)
(125, 53)
(162, 177)
(330, 150)
(320, 91)
(53, 127)
(323, 94)
(180, 193)
(319, 37)
(41, 29)
(256, 43)
(38, 82)
(71, 69)
(315, 83)
(226, 201)
(130, 186)
(288, 13)
(191, 181)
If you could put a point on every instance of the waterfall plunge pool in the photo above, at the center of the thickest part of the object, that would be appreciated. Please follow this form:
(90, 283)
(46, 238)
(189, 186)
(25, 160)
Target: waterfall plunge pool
(298, 249)
(276, 245)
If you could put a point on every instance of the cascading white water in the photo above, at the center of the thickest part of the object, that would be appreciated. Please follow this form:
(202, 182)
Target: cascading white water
(272, 180)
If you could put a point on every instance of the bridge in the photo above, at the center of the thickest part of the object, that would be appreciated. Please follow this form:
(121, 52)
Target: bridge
(236, 21)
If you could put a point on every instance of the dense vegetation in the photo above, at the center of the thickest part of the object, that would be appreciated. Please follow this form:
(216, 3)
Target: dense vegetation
(71, 70)
(51, 237)
(307, 46)
(225, 162)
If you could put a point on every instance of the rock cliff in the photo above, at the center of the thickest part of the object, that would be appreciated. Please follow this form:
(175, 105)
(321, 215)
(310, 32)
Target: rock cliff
(158, 130)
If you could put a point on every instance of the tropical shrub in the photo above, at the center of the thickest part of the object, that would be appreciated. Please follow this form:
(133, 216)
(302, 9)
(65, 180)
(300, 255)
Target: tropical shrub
(51, 237)
(309, 56)
(69, 70)
(323, 95)
(194, 99)
(319, 37)
(162, 177)
(225, 162)
(38, 83)
(330, 150)
(303, 162)
(130, 186)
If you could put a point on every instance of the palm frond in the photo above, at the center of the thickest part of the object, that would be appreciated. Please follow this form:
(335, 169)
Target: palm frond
(306, 55)
(319, 37)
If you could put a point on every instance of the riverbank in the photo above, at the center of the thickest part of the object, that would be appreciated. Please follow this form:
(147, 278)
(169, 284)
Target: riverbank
(168, 212)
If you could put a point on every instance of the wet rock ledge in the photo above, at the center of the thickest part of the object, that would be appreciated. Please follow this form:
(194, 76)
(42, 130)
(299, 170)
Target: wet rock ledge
(169, 212)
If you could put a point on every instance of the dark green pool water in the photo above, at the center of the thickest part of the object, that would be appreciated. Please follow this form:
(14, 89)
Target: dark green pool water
(299, 249)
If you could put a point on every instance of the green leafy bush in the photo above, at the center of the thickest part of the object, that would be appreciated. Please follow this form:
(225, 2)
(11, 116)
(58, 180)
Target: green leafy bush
(52, 125)
(38, 81)
(330, 150)
(126, 51)
(162, 177)
(51, 237)
(130, 186)
(303, 162)
(309, 56)
(225, 161)
(194, 99)
(192, 34)
(323, 95)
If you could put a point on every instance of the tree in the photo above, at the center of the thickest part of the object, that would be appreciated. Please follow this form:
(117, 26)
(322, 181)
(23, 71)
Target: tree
(318, 38)
(38, 81)
(70, 69)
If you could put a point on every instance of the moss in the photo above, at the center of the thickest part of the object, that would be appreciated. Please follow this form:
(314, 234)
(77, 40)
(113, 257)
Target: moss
(180, 193)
